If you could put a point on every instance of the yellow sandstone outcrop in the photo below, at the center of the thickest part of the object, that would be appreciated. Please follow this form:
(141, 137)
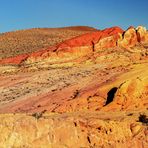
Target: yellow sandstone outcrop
(72, 131)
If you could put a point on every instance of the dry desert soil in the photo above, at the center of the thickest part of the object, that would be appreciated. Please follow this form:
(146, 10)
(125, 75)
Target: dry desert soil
(74, 87)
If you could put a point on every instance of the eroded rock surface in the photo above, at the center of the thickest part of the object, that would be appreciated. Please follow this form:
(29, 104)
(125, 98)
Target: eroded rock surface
(88, 91)
(83, 45)
(73, 130)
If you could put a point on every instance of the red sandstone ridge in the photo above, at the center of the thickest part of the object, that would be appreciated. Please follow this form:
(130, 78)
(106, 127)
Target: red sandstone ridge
(65, 97)
(14, 60)
(85, 44)
(90, 42)
(89, 38)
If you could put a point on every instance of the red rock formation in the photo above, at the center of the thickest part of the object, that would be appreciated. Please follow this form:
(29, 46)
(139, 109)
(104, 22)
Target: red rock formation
(133, 36)
(96, 103)
(85, 44)
(15, 60)
(142, 34)
(129, 38)
(87, 39)
(80, 45)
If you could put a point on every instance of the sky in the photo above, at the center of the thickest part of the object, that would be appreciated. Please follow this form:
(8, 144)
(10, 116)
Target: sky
(23, 14)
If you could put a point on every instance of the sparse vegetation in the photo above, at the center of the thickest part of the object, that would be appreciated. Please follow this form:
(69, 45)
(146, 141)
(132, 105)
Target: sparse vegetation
(38, 115)
(76, 93)
(27, 41)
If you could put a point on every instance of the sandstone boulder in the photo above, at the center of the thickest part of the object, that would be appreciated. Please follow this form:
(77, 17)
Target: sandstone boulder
(129, 38)
(142, 34)
(131, 94)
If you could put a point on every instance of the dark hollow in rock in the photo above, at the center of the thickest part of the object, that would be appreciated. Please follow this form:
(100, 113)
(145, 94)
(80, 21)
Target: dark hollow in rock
(111, 95)
(143, 118)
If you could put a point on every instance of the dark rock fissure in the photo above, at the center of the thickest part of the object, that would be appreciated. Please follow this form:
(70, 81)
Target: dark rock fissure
(88, 139)
(111, 95)
(93, 46)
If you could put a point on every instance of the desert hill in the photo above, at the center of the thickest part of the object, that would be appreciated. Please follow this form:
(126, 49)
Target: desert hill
(89, 90)
(27, 41)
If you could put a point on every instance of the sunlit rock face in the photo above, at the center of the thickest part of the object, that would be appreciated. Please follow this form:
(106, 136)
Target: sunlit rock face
(142, 34)
(133, 36)
(84, 45)
(72, 130)
(129, 38)
(88, 91)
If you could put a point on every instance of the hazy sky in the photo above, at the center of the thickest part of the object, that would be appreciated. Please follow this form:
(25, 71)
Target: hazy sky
(22, 14)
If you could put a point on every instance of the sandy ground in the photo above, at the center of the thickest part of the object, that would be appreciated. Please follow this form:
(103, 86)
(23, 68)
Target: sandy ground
(49, 88)
(66, 106)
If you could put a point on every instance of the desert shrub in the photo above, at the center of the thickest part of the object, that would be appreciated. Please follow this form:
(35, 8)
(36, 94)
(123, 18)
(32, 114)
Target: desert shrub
(27, 41)
(38, 115)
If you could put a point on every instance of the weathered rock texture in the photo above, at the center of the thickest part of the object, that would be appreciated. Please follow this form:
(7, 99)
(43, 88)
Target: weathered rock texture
(142, 34)
(85, 129)
(31, 40)
(84, 45)
(129, 38)
(88, 91)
